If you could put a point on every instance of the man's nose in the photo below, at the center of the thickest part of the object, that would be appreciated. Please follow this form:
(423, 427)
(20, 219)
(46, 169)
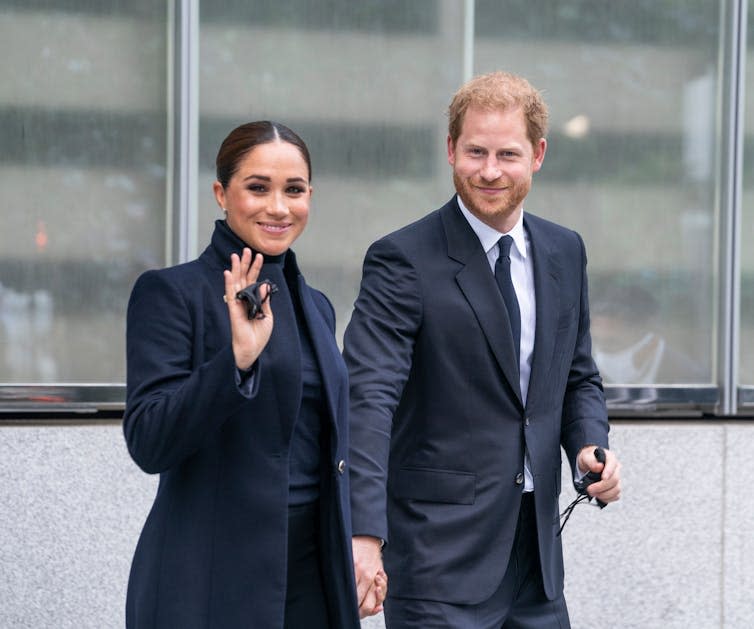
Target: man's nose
(491, 170)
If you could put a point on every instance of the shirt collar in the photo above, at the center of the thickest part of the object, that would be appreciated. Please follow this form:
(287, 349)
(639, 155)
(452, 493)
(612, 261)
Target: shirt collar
(489, 236)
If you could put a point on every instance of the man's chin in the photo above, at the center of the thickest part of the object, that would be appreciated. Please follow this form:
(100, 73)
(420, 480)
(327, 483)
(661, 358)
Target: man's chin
(496, 215)
(485, 208)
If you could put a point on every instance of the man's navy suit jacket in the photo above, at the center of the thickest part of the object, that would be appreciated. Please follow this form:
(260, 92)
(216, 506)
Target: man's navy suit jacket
(213, 549)
(438, 426)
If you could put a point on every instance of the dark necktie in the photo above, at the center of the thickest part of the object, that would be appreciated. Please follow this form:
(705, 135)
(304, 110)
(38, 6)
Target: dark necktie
(505, 284)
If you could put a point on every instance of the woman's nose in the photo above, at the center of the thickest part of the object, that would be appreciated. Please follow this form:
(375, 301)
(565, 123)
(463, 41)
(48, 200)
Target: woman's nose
(279, 207)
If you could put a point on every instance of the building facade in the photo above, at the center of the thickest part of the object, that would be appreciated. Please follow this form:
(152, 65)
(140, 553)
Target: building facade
(111, 114)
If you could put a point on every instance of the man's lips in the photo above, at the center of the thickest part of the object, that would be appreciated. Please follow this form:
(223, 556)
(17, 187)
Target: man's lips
(489, 189)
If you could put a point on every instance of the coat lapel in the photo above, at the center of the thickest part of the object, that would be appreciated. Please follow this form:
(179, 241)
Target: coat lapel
(284, 351)
(324, 349)
(477, 283)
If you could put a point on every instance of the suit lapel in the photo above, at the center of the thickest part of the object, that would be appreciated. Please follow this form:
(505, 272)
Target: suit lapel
(546, 282)
(477, 283)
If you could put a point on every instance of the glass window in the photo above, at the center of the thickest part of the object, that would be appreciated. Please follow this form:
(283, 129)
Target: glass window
(637, 90)
(366, 88)
(630, 165)
(83, 180)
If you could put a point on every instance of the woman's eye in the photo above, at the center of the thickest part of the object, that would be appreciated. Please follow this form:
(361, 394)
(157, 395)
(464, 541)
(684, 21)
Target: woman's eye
(295, 190)
(257, 187)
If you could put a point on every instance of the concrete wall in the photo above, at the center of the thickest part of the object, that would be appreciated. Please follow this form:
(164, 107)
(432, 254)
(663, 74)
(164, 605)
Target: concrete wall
(676, 552)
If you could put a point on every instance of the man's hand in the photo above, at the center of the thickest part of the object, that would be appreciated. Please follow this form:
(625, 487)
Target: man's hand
(371, 580)
(607, 489)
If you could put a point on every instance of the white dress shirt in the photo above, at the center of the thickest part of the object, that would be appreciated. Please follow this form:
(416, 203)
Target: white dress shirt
(522, 275)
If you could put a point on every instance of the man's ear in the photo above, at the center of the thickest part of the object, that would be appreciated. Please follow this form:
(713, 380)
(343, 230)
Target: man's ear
(451, 151)
(539, 154)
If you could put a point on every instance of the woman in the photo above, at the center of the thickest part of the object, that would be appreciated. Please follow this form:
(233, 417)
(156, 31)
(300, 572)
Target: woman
(243, 415)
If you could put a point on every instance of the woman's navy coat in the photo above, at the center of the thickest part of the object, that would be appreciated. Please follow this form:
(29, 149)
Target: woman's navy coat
(213, 550)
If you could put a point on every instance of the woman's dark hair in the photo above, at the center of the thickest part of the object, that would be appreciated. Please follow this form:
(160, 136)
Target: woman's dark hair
(244, 138)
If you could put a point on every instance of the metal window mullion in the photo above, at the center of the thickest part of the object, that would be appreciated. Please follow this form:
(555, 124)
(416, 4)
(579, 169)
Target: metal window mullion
(728, 333)
(186, 126)
(468, 39)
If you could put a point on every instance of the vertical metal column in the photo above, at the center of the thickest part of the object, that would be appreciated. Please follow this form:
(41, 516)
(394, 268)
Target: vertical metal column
(732, 130)
(468, 39)
(185, 131)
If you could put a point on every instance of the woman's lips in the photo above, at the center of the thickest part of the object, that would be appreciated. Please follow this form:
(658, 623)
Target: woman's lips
(275, 228)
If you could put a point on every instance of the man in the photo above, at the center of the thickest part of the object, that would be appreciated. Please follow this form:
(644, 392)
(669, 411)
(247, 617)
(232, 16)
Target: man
(464, 388)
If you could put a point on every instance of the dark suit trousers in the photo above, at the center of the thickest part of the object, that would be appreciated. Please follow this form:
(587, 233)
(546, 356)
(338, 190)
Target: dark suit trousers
(518, 603)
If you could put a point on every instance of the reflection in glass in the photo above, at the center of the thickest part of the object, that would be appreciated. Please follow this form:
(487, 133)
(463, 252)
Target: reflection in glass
(630, 344)
(367, 88)
(83, 179)
(630, 165)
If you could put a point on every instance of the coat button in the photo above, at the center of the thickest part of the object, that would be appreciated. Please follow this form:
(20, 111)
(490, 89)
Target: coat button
(519, 478)
(526, 421)
(341, 466)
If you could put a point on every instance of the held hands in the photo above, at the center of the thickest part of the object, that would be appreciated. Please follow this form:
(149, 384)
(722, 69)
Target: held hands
(608, 488)
(371, 580)
(249, 336)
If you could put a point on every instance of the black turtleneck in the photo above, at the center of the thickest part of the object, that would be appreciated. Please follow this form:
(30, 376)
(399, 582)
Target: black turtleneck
(305, 452)
(306, 449)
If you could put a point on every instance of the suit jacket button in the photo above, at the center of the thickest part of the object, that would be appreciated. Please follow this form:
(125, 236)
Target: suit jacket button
(341, 466)
(519, 478)
(526, 421)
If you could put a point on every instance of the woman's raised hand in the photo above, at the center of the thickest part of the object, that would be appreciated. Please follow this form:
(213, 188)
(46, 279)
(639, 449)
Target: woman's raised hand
(249, 336)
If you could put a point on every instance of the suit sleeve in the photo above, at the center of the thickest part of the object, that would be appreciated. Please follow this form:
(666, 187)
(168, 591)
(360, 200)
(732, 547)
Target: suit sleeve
(584, 419)
(172, 405)
(378, 348)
